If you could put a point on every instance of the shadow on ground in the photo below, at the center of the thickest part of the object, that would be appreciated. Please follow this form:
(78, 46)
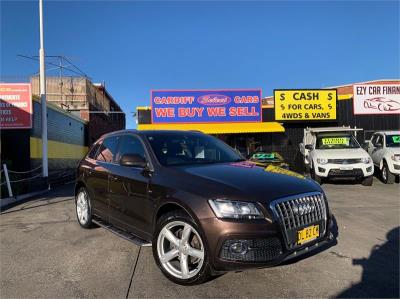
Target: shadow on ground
(56, 195)
(380, 277)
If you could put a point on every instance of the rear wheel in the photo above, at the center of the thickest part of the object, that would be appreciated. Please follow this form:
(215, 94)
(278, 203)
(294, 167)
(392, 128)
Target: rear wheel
(387, 176)
(179, 249)
(83, 211)
(367, 181)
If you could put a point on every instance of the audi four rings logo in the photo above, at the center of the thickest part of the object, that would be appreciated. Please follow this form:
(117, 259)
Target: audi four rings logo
(303, 208)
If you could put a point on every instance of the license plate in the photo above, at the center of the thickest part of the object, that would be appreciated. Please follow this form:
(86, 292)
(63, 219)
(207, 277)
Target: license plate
(346, 168)
(307, 234)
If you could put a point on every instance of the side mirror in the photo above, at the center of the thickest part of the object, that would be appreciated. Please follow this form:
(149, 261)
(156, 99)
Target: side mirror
(308, 147)
(133, 160)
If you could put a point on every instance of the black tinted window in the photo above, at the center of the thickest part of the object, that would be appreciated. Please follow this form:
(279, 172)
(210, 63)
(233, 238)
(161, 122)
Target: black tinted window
(93, 151)
(107, 149)
(130, 145)
(186, 148)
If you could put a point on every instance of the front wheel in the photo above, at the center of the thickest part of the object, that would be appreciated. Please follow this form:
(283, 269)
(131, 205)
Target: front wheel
(367, 181)
(83, 211)
(179, 249)
(387, 176)
(316, 177)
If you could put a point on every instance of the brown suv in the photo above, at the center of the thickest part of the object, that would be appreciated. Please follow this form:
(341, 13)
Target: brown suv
(204, 208)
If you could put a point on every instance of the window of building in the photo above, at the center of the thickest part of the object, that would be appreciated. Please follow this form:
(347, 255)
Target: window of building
(108, 150)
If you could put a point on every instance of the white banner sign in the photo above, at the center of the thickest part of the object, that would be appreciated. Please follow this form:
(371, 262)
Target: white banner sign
(376, 99)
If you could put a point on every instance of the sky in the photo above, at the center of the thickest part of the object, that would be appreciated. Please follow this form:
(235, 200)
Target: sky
(137, 46)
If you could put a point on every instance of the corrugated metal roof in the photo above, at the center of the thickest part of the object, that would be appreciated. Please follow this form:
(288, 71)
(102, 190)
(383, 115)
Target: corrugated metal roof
(219, 128)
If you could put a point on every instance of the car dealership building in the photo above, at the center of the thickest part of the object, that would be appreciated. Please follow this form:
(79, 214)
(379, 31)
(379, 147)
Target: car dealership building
(282, 121)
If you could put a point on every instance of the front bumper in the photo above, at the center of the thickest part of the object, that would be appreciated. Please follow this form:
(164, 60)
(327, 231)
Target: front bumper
(263, 232)
(357, 170)
(394, 167)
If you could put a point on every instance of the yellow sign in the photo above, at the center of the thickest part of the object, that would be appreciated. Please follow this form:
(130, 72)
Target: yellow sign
(336, 141)
(305, 104)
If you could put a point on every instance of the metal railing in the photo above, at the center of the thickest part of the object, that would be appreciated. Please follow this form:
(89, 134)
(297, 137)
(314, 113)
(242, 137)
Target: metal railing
(9, 180)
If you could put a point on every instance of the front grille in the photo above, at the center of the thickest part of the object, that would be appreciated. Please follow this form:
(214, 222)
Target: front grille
(356, 172)
(259, 250)
(344, 161)
(298, 212)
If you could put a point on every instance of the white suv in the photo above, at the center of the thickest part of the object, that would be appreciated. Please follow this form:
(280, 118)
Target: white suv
(335, 153)
(384, 148)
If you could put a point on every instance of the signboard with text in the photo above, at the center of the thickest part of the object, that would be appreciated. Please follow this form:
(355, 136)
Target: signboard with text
(376, 99)
(206, 106)
(305, 104)
(15, 106)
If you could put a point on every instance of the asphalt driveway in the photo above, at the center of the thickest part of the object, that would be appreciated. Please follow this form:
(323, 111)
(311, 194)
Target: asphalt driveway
(45, 254)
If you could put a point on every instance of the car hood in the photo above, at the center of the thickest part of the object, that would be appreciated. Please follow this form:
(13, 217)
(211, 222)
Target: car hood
(245, 181)
(354, 153)
(393, 150)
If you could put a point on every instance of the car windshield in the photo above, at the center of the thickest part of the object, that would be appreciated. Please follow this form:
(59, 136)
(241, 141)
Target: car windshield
(190, 148)
(392, 140)
(339, 141)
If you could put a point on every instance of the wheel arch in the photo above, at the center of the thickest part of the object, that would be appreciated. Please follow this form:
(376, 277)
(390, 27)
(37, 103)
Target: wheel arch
(78, 185)
(170, 206)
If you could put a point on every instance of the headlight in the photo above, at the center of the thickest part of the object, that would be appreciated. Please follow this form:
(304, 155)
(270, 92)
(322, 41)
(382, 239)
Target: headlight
(396, 158)
(366, 160)
(322, 161)
(224, 208)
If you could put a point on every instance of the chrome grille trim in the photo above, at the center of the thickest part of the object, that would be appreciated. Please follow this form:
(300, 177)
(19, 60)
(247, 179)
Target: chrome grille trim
(344, 161)
(290, 221)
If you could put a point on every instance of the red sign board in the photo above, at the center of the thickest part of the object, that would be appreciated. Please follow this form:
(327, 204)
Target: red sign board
(15, 106)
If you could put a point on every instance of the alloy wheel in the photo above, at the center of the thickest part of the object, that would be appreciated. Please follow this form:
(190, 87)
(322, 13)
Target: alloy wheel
(384, 173)
(180, 250)
(82, 208)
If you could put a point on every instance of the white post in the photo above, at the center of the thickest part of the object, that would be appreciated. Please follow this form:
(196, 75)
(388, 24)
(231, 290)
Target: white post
(45, 171)
(10, 194)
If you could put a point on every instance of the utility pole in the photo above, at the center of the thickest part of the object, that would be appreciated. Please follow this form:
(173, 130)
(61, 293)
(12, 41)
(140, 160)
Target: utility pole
(42, 79)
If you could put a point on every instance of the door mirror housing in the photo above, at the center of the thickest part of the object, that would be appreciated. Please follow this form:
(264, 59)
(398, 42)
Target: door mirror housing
(308, 147)
(133, 160)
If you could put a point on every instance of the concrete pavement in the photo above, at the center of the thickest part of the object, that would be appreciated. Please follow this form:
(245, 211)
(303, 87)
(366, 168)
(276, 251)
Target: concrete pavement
(45, 254)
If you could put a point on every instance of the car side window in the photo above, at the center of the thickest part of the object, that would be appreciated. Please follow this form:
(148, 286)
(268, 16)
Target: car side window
(93, 151)
(108, 149)
(378, 140)
(373, 139)
(130, 145)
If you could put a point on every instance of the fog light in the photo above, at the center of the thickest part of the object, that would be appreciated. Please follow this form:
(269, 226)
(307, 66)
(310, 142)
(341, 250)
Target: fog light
(369, 169)
(239, 248)
(320, 169)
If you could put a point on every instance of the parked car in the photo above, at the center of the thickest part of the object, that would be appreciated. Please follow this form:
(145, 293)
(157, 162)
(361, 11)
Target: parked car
(204, 208)
(384, 148)
(333, 153)
(264, 158)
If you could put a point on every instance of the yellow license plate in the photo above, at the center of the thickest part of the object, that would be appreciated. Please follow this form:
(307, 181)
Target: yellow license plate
(307, 234)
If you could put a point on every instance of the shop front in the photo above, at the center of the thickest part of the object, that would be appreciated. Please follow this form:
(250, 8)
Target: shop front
(278, 129)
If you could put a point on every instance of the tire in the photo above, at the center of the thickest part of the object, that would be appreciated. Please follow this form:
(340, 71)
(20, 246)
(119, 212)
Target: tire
(367, 181)
(83, 208)
(198, 266)
(387, 176)
(316, 177)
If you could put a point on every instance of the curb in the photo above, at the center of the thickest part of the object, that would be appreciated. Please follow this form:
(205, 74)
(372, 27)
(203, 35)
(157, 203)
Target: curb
(12, 201)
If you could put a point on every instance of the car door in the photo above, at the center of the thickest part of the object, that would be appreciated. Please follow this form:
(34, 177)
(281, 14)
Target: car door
(377, 151)
(97, 181)
(131, 206)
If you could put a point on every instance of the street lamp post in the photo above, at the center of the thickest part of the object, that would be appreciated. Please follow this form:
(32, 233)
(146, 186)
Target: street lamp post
(42, 76)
